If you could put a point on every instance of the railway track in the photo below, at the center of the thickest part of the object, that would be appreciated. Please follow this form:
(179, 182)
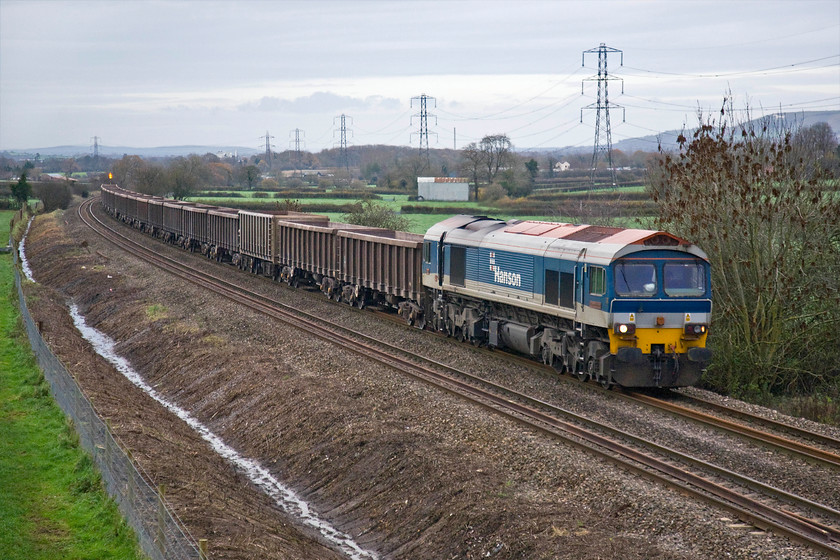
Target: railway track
(797, 448)
(809, 446)
(765, 507)
(782, 427)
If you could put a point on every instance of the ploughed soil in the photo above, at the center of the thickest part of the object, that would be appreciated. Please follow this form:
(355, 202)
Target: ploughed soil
(405, 469)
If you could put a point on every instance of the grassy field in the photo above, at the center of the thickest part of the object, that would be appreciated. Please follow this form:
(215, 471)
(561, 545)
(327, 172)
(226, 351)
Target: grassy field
(419, 222)
(5, 218)
(52, 504)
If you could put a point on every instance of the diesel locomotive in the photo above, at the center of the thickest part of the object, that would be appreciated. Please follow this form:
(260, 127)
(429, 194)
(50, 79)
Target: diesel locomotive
(619, 306)
(616, 305)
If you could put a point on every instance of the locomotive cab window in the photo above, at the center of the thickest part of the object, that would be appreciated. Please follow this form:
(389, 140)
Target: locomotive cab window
(685, 279)
(427, 251)
(597, 281)
(635, 280)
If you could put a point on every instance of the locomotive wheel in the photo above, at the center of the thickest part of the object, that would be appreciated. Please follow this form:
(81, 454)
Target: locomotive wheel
(592, 369)
(360, 303)
(421, 322)
(546, 355)
(605, 381)
(581, 372)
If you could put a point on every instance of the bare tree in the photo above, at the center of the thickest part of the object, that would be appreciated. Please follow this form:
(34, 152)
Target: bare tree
(248, 175)
(126, 171)
(187, 174)
(68, 166)
(771, 227)
(152, 179)
(497, 154)
(817, 145)
(413, 167)
(472, 162)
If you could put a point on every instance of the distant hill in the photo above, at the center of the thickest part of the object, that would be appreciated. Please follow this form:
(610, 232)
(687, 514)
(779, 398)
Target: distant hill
(669, 138)
(649, 143)
(119, 151)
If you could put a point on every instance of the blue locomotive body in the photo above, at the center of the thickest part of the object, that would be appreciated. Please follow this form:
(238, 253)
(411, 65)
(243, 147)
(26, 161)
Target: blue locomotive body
(617, 305)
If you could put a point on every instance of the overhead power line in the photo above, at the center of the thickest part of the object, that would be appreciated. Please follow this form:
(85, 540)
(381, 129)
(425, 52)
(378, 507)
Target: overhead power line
(786, 67)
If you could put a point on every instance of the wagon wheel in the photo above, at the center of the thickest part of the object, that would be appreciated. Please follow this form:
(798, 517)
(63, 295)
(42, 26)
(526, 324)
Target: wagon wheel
(360, 302)
(464, 336)
(336, 295)
(421, 322)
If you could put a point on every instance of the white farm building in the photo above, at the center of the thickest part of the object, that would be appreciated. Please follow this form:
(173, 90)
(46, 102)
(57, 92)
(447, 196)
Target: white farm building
(443, 188)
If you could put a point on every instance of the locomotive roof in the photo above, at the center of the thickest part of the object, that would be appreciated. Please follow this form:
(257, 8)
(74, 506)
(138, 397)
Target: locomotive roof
(588, 243)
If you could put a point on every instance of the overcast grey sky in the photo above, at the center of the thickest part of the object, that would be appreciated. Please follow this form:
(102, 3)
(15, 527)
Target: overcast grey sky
(180, 72)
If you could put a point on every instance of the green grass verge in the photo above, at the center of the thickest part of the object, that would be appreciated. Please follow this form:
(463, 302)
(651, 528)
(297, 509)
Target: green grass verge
(5, 221)
(52, 503)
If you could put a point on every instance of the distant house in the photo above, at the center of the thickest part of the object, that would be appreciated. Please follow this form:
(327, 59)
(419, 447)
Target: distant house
(443, 188)
(562, 166)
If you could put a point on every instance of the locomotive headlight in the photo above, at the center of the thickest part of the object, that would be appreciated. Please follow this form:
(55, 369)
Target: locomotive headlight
(695, 329)
(625, 328)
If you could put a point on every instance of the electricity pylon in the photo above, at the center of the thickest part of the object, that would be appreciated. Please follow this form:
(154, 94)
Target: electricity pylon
(602, 108)
(424, 123)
